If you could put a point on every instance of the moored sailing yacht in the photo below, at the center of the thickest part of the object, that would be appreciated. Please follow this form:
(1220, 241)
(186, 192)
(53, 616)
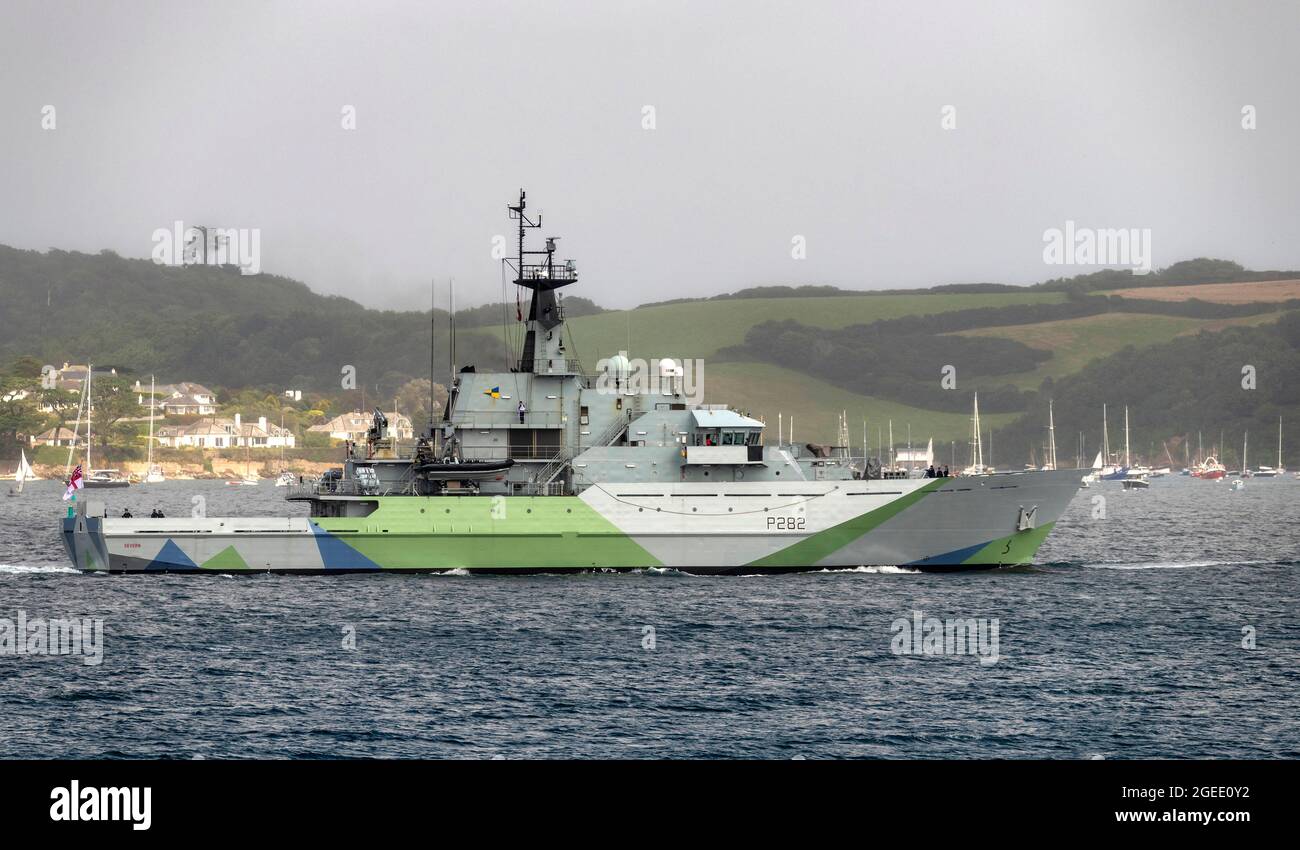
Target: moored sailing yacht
(153, 472)
(1274, 471)
(285, 478)
(547, 467)
(1110, 471)
(976, 466)
(1132, 471)
(97, 479)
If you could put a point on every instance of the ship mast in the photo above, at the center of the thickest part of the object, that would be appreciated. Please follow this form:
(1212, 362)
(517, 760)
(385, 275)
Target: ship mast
(543, 278)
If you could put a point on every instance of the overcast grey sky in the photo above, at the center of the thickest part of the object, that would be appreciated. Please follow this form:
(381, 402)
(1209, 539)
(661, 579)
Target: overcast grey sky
(772, 120)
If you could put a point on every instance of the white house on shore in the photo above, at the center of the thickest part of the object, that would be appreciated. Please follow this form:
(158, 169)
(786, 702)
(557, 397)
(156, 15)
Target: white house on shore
(59, 436)
(353, 426)
(223, 433)
(182, 399)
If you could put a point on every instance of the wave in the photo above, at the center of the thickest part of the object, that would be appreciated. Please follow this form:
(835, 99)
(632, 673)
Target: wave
(1178, 565)
(881, 570)
(33, 569)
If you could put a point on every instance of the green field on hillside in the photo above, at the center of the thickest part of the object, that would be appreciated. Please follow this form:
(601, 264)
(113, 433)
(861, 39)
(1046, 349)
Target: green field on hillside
(764, 390)
(1076, 342)
(700, 328)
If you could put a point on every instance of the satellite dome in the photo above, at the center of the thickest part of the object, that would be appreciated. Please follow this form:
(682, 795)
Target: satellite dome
(618, 367)
(669, 368)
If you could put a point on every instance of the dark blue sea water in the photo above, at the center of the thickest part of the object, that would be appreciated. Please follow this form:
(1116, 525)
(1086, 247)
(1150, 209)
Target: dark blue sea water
(1126, 641)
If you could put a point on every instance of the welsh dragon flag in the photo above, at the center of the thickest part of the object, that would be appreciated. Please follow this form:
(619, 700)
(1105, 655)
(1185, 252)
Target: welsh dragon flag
(74, 484)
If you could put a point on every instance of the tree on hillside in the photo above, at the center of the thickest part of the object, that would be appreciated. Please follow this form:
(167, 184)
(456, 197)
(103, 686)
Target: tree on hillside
(1201, 270)
(19, 414)
(26, 366)
(413, 400)
(112, 400)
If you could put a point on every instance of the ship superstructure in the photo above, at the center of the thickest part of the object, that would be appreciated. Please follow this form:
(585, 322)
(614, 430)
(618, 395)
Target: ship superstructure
(549, 467)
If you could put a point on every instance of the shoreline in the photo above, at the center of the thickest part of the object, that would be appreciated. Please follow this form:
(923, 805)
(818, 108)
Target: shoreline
(222, 470)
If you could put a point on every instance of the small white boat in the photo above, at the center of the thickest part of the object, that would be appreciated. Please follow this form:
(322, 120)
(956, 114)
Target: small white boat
(1238, 484)
(22, 475)
(246, 481)
(1095, 475)
(286, 479)
(105, 478)
(1135, 482)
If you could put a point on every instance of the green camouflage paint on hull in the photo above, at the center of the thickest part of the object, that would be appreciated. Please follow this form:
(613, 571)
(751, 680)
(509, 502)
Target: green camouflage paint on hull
(939, 524)
(505, 533)
(1018, 548)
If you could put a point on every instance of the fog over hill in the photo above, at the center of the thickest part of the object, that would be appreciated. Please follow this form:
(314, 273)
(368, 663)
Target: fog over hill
(862, 145)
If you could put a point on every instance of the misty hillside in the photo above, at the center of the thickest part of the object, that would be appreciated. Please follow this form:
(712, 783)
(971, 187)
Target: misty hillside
(209, 324)
(772, 350)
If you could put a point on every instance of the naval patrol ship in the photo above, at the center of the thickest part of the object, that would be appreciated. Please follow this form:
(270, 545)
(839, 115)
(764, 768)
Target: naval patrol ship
(549, 468)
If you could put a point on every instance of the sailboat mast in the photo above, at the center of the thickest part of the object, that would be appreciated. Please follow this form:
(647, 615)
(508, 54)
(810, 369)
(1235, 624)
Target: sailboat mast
(89, 409)
(76, 430)
(1051, 433)
(1126, 455)
(1105, 436)
(151, 390)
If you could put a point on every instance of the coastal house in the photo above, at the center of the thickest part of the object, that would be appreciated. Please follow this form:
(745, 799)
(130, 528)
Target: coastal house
(72, 377)
(54, 437)
(354, 425)
(223, 433)
(182, 399)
